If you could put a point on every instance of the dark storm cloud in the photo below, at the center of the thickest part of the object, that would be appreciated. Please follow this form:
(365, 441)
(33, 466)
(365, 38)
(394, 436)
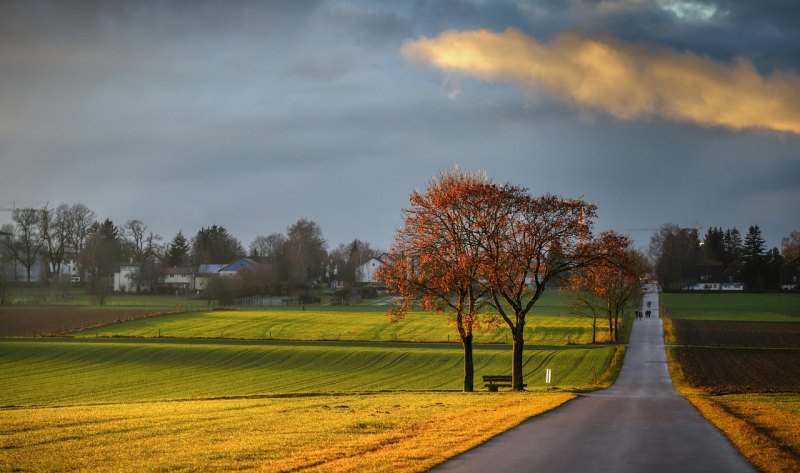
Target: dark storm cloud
(255, 114)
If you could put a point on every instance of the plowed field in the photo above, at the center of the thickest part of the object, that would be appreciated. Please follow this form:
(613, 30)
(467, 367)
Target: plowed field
(739, 357)
(51, 320)
(738, 334)
(741, 370)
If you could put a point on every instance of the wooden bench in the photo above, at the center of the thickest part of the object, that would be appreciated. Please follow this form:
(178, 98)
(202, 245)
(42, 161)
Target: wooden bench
(495, 381)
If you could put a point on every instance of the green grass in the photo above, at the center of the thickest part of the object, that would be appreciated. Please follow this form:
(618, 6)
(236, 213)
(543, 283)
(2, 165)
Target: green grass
(744, 307)
(65, 371)
(361, 323)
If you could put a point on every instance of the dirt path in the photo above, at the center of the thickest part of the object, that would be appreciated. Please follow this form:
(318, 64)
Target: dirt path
(640, 424)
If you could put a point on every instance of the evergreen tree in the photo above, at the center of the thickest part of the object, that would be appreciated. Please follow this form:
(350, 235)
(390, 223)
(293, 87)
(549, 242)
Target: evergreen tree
(732, 242)
(714, 245)
(178, 250)
(214, 245)
(107, 230)
(773, 268)
(754, 259)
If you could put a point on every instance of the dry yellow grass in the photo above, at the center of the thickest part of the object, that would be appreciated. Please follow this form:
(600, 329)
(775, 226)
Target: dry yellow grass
(765, 428)
(399, 432)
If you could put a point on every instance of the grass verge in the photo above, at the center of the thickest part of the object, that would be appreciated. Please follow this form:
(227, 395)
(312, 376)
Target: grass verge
(765, 428)
(399, 432)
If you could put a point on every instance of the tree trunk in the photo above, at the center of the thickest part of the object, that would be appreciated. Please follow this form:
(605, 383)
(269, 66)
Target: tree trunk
(616, 327)
(594, 330)
(469, 367)
(517, 380)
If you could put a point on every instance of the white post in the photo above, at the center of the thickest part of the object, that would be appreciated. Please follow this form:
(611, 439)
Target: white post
(547, 378)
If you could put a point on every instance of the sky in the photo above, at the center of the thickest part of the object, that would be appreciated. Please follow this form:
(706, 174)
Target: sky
(254, 114)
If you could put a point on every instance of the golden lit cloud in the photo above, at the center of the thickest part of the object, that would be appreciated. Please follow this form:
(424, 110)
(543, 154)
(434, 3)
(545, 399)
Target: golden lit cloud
(625, 80)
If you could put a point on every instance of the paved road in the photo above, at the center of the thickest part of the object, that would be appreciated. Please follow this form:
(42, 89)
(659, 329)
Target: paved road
(641, 424)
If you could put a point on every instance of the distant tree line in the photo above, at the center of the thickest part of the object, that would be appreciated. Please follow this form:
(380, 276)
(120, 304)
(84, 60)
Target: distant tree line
(295, 260)
(674, 249)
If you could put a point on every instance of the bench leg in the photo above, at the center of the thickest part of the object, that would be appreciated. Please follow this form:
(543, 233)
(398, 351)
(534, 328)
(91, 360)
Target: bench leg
(493, 389)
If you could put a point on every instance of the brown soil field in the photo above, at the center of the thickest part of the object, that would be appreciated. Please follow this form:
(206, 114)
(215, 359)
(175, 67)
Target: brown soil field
(29, 321)
(739, 357)
(741, 370)
(738, 334)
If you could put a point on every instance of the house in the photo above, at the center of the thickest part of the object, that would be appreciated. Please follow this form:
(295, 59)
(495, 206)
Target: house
(178, 279)
(125, 277)
(241, 264)
(707, 277)
(205, 273)
(69, 269)
(790, 275)
(365, 273)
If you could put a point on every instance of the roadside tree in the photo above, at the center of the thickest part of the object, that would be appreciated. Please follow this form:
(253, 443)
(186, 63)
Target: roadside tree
(540, 240)
(438, 255)
(609, 286)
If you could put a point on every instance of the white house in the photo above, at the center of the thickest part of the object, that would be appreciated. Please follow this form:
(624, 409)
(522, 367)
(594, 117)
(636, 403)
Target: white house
(124, 279)
(365, 274)
(178, 278)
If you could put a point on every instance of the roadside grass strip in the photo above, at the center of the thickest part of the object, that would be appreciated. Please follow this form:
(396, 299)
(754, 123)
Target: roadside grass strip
(68, 371)
(398, 432)
(348, 324)
(764, 427)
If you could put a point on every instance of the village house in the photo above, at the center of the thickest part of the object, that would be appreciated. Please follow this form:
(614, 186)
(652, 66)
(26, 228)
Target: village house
(707, 277)
(178, 279)
(365, 273)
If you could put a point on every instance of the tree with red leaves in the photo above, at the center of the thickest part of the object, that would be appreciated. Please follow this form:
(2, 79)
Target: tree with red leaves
(466, 238)
(607, 287)
(541, 239)
(437, 256)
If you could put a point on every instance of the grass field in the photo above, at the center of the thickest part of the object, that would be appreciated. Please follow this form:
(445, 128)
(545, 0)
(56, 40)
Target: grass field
(63, 371)
(738, 345)
(330, 323)
(398, 432)
(731, 307)
(221, 396)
